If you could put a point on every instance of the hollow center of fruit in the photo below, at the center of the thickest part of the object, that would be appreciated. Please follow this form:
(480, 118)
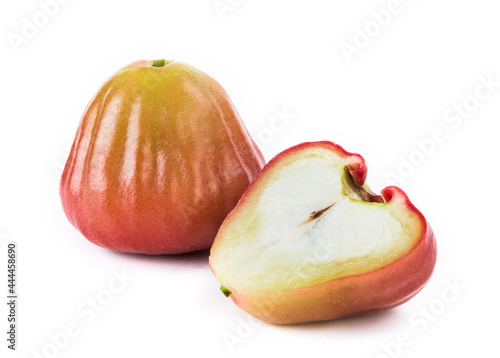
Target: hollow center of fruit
(316, 214)
(310, 224)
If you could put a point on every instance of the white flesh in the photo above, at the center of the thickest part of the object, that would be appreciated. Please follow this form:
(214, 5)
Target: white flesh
(276, 241)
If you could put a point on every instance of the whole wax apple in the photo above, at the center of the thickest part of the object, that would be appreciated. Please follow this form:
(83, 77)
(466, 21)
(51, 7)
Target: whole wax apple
(160, 157)
(309, 241)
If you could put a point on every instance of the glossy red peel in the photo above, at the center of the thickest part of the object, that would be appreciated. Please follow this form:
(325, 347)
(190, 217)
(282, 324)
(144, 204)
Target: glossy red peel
(160, 158)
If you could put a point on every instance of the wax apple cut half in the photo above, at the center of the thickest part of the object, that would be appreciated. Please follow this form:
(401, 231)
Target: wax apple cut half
(309, 241)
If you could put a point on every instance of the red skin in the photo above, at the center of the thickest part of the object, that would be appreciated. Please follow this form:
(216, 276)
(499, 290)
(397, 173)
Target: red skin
(160, 158)
(373, 291)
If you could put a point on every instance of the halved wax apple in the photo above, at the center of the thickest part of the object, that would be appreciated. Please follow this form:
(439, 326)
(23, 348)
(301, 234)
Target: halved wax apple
(309, 241)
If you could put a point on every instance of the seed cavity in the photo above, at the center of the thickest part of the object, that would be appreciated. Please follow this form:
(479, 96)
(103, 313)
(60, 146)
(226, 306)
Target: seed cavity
(316, 214)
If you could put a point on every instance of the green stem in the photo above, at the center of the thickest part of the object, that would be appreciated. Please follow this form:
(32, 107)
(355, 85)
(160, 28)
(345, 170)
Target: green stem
(159, 63)
(225, 291)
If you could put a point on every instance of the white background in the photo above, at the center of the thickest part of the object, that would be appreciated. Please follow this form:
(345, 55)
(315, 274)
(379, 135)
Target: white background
(271, 56)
